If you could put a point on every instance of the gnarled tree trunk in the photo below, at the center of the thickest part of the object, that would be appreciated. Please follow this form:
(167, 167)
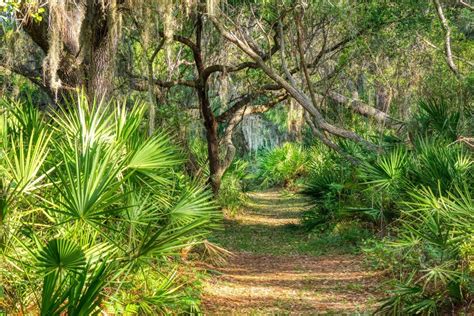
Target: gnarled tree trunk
(79, 39)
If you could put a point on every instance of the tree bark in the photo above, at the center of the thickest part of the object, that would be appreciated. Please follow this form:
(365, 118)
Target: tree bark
(361, 108)
(99, 41)
(210, 122)
(212, 138)
(89, 35)
(151, 86)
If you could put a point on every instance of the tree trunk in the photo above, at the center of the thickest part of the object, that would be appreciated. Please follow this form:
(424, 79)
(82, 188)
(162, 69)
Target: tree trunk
(83, 47)
(211, 125)
(210, 122)
(383, 97)
(99, 40)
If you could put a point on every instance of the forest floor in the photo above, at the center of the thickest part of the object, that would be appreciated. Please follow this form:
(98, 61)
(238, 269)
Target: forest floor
(277, 269)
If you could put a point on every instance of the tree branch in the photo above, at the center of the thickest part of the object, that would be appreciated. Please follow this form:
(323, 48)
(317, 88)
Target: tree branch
(297, 94)
(466, 5)
(447, 38)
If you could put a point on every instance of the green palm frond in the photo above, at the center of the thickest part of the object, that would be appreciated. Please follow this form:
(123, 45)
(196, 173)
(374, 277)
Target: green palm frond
(109, 194)
(405, 292)
(25, 159)
(427, 306)
(153, 157)
(89, 185)
(389, 171)
(194, 204)
(436, 115)
(88, 123)
(164, 295)
(61, 255)
(77, 295)
(58, 260)
(128, 122)
(168, 240)
(21, 116)
(441, 274)
(141, 209)
(441, 166)
(86, 294)
(459, 208)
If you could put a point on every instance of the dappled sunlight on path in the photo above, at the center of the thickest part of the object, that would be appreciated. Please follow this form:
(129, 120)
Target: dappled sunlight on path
(271, 208)
(264, 282)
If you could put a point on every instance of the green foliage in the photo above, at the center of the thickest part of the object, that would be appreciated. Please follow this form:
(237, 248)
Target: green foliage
(282, 166)
(338, 191)
(442, 166)
(329, 186)
(388, 172)
(431, 269)
(87, 202)
(231, 195)
(343, 237)
(437, 117)
(69, 284)
(167, 295)
(431, 187)
(420, 194)
(34, 10)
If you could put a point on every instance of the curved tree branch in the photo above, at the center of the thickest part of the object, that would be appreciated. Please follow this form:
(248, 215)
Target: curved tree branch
(447, 38)
(466, 5)
(292, 90)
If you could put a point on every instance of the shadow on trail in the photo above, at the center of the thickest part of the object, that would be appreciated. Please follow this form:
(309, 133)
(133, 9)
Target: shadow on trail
(274, 268)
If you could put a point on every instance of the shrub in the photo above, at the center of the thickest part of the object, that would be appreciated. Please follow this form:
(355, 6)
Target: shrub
(281, 166)
(231, 195)
(437, 117)
(385, 181)
(433, 273)
(421, 197)
(441, 165)
(329, 186)
(87, 203)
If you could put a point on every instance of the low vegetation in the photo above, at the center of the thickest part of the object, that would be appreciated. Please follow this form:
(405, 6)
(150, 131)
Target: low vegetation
(91, 209)
(418, 198)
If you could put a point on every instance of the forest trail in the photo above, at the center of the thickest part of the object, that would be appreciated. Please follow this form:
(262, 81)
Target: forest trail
(272, 273)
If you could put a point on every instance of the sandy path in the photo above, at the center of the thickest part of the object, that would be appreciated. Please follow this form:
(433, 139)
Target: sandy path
(265, 283)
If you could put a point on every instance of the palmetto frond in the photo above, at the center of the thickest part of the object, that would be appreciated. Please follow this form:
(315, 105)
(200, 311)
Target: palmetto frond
(21, 117)
(194, 204)
(442, 166)
(80, 294)
(85, 124)
(89, 184)
(25, 158)
(61, 255)
(388, 171)
(110, 202)
(152, 157)
(437, 116)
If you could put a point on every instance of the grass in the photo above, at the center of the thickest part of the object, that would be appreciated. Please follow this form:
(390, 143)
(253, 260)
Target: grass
(288, 240)
(268, 228)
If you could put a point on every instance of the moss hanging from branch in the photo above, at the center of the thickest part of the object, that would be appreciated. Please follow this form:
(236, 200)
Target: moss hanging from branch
(57, 18)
